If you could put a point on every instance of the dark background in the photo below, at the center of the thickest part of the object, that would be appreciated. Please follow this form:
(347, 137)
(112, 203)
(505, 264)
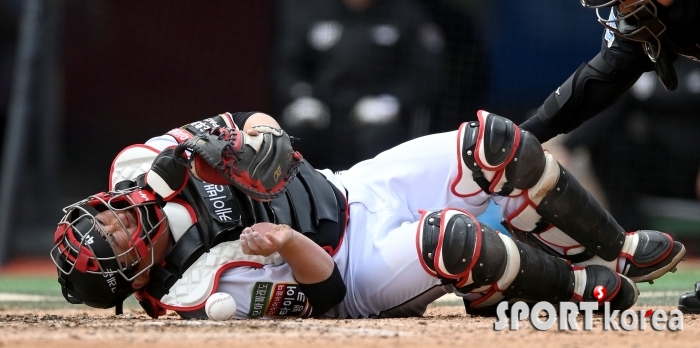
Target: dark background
(129, 70)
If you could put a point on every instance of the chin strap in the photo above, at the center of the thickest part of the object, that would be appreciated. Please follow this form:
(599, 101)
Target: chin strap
(149, 304)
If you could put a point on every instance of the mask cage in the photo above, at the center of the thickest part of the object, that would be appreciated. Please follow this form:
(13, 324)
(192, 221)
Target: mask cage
(74, 239)
(642, 18)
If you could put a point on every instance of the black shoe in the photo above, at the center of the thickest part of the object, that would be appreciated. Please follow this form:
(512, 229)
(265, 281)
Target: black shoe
(627, 296)
(690, 301)
(622, 293)
(656, 254)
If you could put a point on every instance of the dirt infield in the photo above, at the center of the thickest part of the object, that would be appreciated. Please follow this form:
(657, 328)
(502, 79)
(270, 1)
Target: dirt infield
(442, 326)
(446, 326)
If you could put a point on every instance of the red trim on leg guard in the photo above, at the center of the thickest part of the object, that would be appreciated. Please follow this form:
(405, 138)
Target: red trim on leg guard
(460, 170)
(651, 263)
(419, 242)
(487, 296)
(482, 124)
(438, 249)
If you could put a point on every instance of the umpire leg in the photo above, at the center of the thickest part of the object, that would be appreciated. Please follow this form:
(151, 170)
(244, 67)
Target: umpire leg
(487, 267)
(546, 207)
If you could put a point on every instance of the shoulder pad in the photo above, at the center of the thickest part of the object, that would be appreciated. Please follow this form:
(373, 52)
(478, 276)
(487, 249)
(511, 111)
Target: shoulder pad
(130, 163)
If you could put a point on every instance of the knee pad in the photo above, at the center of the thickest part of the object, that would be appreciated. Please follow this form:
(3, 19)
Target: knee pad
(453, 245)
(486, 267)
(496, 157)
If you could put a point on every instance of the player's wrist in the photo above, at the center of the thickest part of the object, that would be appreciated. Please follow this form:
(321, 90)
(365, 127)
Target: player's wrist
(287, 240)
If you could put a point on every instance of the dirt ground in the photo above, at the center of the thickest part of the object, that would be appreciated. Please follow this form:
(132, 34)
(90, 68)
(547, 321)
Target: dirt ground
(441, 326)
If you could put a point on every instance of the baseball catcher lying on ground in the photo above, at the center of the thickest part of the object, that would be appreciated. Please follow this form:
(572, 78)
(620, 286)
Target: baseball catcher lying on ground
(211, 207)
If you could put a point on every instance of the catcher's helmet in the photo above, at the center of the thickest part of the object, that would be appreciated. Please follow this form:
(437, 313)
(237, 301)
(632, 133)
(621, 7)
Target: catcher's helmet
(91, 269)
(640, 23)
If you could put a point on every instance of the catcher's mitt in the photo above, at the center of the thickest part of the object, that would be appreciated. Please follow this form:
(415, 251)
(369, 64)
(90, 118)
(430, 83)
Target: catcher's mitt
(261, 166)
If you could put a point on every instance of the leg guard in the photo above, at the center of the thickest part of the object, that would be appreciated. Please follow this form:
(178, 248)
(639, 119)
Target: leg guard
(542, 277)
(451, 242)
(487, 267)
(505, 160)
(490, 156)
(566, 220)
(454, 246)
(543, 198)
(573, 210)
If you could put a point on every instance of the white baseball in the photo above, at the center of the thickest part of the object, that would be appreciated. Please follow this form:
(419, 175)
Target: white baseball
(220, 306)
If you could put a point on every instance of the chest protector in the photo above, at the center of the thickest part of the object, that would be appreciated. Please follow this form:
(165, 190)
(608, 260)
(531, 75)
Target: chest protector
(312, 206)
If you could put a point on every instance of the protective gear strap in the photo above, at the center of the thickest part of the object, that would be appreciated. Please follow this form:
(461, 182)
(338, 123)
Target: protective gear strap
(572, 209)
(565, 217)
(666, 72)
(531, 239)
(471, 134)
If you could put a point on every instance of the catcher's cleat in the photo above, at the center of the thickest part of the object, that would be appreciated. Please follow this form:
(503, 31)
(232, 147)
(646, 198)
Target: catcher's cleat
(650, 254)
(690, 301)
(620, 291)
(627, 295)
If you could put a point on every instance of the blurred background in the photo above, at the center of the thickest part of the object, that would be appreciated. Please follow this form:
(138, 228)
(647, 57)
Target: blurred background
(82, 79)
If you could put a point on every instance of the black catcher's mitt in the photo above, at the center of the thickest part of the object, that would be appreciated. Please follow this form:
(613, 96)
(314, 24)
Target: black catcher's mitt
(261, 166)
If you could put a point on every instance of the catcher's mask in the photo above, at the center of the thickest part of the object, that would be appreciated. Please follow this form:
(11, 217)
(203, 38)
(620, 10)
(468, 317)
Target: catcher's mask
(91, 269)
(640, 23)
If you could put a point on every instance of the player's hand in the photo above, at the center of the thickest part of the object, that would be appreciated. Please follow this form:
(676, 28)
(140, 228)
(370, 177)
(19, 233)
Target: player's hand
(265, 238)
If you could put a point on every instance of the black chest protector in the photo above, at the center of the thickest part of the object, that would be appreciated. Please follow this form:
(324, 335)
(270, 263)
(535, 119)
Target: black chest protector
(312, 206)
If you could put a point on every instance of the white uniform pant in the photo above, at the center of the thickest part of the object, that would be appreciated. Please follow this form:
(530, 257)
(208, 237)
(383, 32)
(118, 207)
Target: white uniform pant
(379, 258)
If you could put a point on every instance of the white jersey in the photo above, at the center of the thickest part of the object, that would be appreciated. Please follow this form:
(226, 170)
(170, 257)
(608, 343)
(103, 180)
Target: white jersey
(378, 256)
